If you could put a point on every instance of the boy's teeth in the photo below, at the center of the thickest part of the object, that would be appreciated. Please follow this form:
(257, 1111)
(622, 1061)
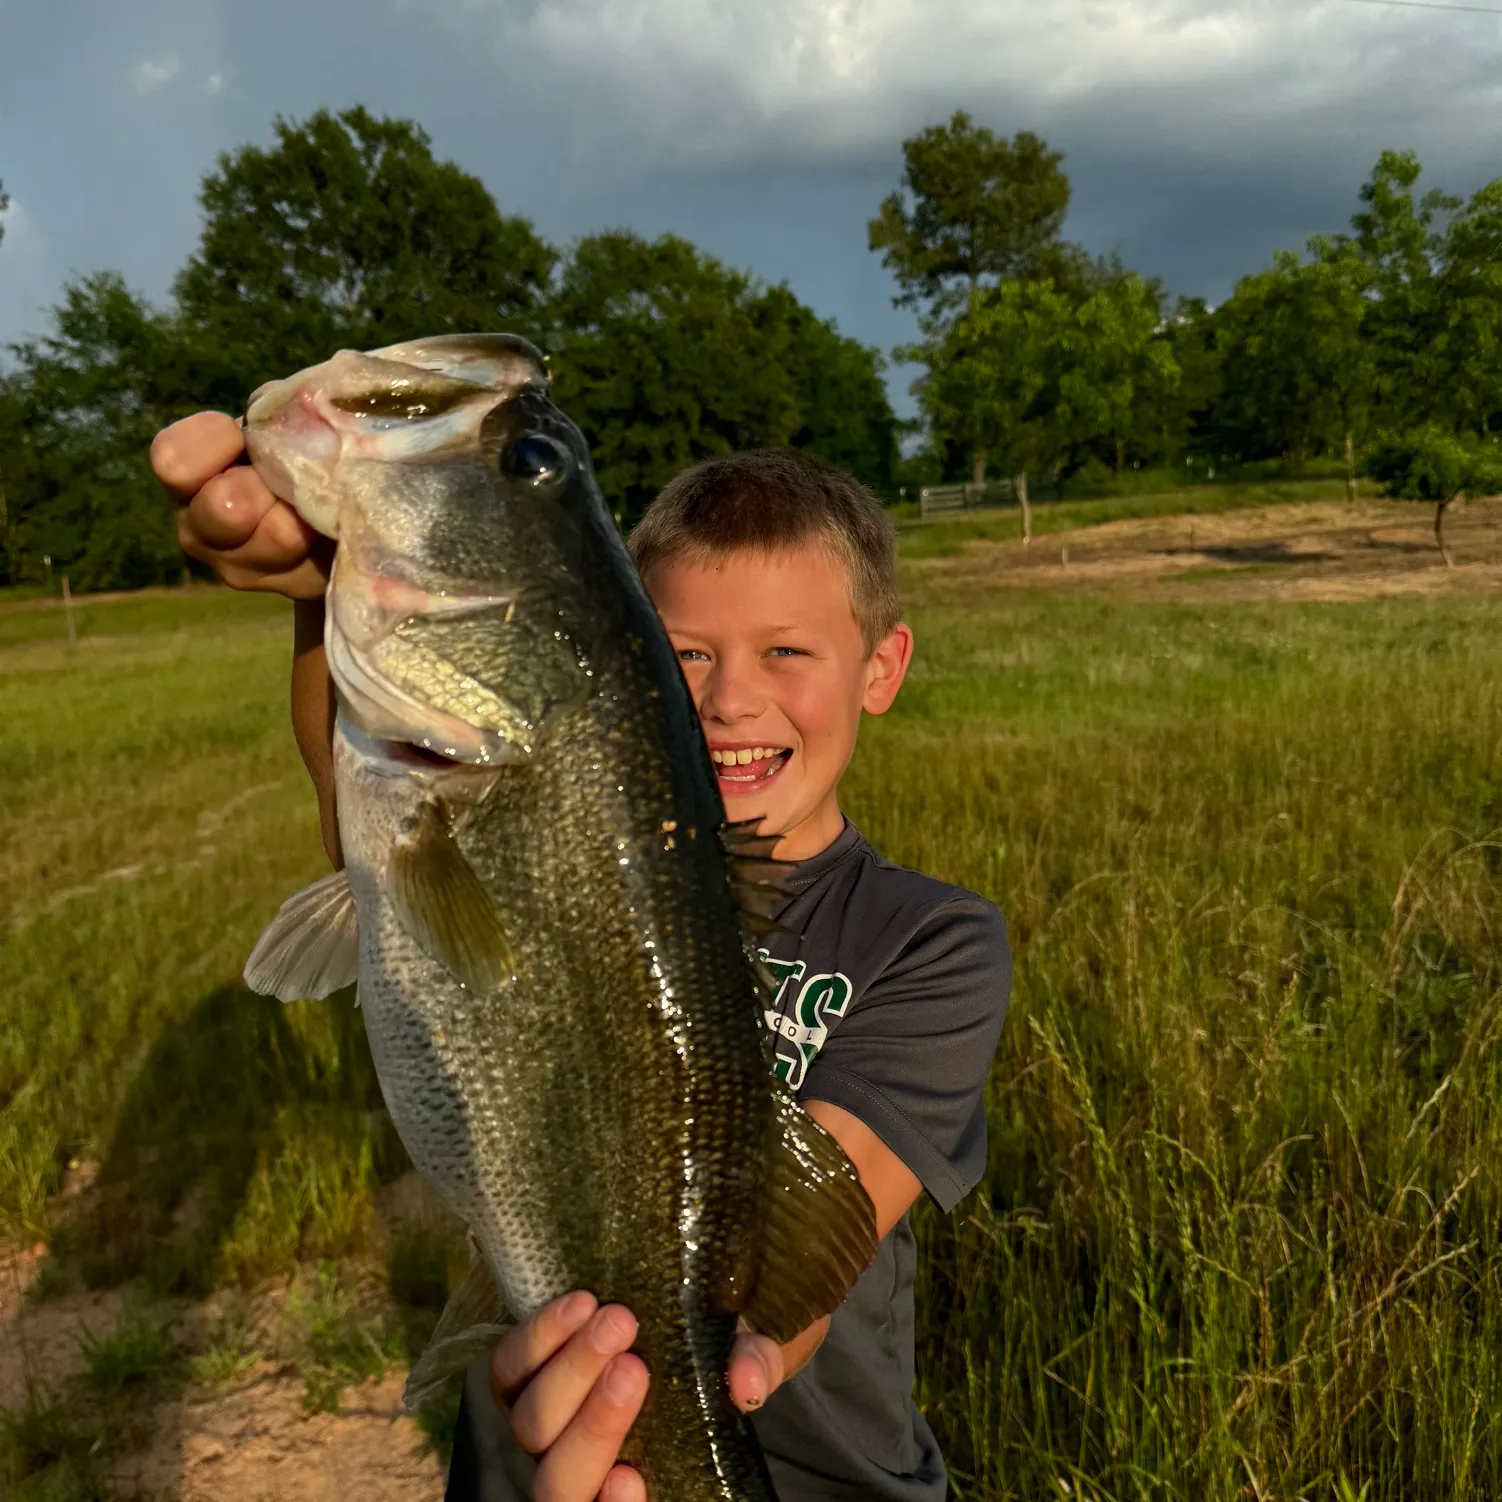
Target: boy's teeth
(744, 756)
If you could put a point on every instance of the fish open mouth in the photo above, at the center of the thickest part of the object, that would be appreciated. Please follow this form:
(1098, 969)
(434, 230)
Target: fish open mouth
(409, 754)
(744, 769)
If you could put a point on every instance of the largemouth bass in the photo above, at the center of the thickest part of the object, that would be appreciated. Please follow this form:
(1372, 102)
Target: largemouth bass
(539, 904)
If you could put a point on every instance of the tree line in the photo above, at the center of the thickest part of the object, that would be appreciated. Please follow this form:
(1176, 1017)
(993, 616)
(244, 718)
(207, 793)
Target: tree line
(1379, 348)
(1376, 348)
(346, 232)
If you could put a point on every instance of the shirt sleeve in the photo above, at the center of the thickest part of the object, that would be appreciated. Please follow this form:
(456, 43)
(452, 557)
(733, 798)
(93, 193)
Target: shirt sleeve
(911, 1058)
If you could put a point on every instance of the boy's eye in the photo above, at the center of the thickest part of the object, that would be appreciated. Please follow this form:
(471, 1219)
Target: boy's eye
(692, 654)
(788, 652)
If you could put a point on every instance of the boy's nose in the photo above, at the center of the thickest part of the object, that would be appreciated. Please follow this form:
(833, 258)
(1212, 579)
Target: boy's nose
(730, 694)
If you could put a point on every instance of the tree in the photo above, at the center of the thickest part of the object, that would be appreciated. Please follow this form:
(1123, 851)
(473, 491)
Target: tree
(1432, 464)
(1299, 368)
(1467, 356)
(844, 413)
(975, 211)
(4, 205)
(1399, 237)
(348, 233)
(664, 356)
(76, 417)
(1120, 354)
(1176, 398)
(998, 381)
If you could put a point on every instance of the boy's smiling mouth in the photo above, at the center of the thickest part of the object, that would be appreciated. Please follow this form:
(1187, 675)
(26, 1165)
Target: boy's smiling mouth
(742, 768)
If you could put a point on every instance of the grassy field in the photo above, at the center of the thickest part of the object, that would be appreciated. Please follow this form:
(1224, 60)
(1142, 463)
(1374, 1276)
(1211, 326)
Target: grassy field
(1240, 1234)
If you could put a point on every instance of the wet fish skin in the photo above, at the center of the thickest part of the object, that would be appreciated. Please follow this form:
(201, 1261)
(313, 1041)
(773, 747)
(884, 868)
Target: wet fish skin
(598, 1103)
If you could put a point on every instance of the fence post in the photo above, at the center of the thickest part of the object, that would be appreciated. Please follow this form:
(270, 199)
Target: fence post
(68, 611)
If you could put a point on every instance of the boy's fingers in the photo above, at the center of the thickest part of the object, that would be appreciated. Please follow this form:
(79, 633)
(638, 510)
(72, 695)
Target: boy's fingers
(559, 1395)
(532, 1343)
(624, 1485)
(583, 1457)
(189, 453)
(226, 512)
(756, 1371)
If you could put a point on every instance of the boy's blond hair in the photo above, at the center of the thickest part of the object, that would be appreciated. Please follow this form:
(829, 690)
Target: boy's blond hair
(774, 501)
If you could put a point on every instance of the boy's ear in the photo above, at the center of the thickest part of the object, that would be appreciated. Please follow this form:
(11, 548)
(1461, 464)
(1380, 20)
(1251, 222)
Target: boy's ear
(886, 668)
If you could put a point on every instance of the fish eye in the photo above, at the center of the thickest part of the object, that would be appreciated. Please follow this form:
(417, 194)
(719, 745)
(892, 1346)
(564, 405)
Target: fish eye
(534, 458)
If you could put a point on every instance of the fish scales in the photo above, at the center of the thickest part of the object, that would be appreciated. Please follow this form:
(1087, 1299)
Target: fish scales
(565, 1025)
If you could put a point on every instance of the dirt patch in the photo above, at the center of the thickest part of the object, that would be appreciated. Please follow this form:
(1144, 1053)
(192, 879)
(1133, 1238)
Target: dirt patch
(1324, 550)
(255, 1442)
(258, 1445)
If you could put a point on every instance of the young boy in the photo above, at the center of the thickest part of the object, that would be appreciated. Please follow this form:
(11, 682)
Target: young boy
(775, 576)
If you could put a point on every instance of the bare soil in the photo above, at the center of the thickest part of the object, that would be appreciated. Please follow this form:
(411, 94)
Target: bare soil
(253, 1443)
(1322, 550)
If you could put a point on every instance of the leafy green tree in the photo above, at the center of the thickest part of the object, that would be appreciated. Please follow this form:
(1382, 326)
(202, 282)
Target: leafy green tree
(975, 211)
(1000, 381)
(347, 233)
(1120, 353)
(1300, 370)
(1176, 398)
(1466, 360)
(664, 356)
(1433, 464)
(844, 413)
(1399, 236)
(76, 416)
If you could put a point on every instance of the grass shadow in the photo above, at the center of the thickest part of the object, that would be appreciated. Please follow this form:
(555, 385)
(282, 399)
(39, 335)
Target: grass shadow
(222, 1097)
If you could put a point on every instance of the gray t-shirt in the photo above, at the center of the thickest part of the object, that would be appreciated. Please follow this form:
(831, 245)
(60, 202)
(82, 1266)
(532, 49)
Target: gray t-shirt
(893, 991)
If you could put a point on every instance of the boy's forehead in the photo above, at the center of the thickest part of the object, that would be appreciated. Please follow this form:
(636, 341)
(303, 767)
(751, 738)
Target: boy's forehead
(782, 586)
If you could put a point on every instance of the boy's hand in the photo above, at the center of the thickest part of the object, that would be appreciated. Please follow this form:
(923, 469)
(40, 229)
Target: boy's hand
(228, 519)
(573, 1390)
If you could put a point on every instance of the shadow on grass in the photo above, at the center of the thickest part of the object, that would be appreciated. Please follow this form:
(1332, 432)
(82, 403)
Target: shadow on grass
(1264, 552)
(228, 1093)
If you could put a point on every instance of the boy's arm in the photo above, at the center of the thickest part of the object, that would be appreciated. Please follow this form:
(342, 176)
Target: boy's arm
(313, 716)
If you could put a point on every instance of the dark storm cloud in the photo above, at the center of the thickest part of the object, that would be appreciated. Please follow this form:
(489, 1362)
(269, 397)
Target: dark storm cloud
(1200, 137)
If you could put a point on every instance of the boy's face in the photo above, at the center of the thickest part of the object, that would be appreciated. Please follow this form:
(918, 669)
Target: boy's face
(780, 674)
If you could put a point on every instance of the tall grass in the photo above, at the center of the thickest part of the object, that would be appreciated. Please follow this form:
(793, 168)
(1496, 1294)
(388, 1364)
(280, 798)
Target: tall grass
(1239, 1233)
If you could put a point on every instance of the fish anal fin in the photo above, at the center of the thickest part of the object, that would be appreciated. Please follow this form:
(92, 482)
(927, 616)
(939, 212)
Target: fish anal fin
(817, 1232)
(472, 1322)
(311, 948)
(444, 905)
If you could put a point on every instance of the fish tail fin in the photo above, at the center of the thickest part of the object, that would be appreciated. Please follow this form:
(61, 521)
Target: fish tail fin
(473, 1320)
(818, 1234)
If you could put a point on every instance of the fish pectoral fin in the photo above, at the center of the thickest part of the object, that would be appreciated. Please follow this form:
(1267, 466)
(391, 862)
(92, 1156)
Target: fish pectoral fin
(473, 1320)
(444, 905)
(311, 948)
(817, 1233)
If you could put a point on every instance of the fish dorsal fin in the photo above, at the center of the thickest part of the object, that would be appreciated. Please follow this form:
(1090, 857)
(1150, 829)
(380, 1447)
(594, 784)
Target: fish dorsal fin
(817, 1233)
(311, 948)
(472, 1322)
(757, 882)
(444, 905)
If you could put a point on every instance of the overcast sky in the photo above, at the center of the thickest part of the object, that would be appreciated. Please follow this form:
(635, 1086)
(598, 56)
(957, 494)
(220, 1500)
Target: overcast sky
(1201, 135)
